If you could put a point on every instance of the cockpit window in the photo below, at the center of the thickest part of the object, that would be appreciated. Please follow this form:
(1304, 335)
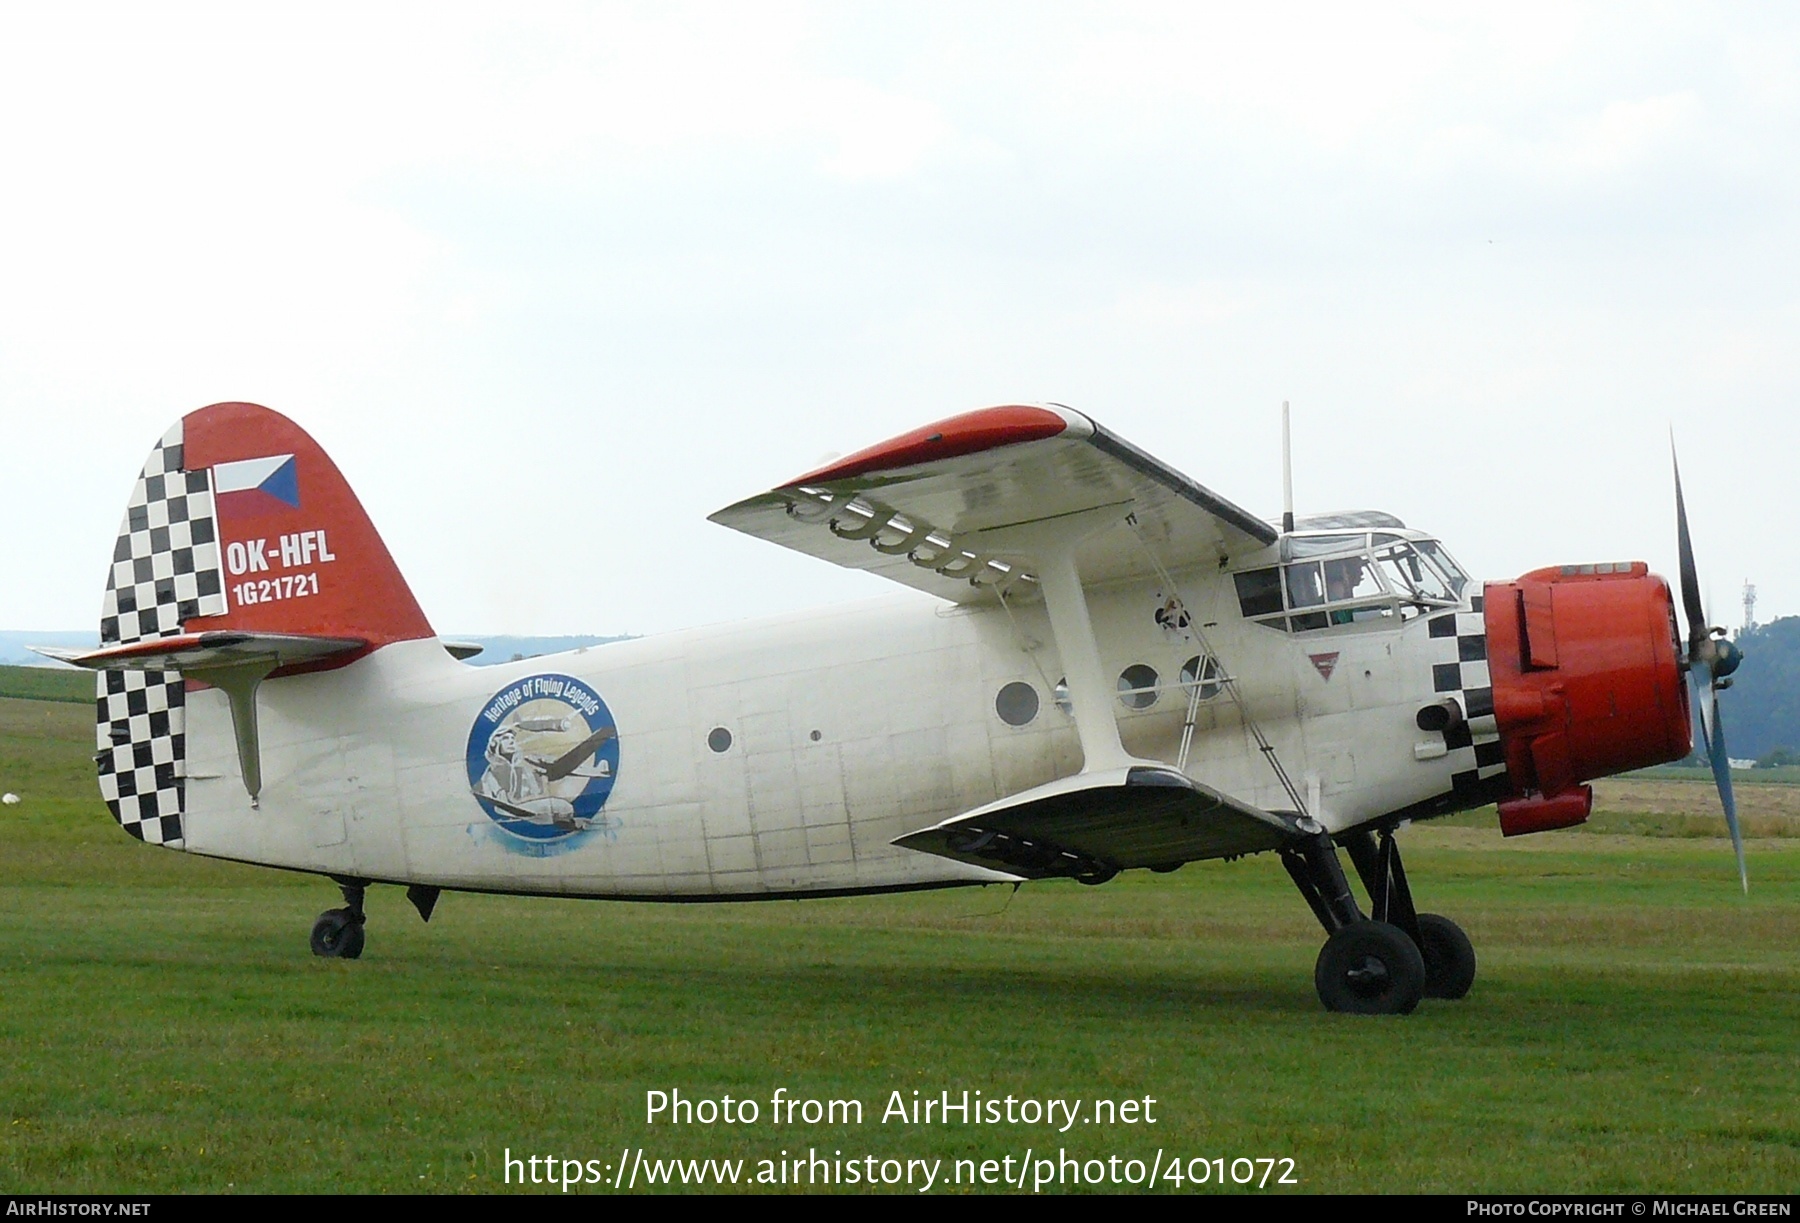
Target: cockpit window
(1351, 577)
(1259, 592)
(1434, 552)
(1355, 579)
(1305, 587)
(1411, 578)
(1298, 546)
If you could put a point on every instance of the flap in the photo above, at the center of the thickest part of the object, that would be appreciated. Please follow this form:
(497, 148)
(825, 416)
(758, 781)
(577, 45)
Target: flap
(203, 651)
(1093, 824)
(930, 509)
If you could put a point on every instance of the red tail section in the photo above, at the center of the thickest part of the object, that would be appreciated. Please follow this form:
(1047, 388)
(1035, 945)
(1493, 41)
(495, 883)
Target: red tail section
(297, 552)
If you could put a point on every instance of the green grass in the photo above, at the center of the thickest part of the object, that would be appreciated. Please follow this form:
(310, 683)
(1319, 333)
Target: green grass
(47, 684)
(1635, 1027)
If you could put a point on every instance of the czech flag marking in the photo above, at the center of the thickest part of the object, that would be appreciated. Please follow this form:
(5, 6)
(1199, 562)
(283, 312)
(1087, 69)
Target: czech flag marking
(257, 486)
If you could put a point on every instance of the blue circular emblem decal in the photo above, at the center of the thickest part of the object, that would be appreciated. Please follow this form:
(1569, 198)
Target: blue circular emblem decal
(543, 755)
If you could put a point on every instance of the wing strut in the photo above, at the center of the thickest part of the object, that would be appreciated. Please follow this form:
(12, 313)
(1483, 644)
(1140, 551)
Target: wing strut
(1066, 603)
(1050, 546)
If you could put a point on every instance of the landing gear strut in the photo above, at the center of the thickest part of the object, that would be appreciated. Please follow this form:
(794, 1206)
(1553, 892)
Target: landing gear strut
(1449, 956)
(1366, 967)
(339, 932)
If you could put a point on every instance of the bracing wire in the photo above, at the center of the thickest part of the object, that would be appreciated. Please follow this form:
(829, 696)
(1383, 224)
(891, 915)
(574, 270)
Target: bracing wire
(1227, 677)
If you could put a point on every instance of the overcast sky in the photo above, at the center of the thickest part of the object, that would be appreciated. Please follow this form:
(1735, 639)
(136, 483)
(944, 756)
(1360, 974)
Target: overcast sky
(552, 286)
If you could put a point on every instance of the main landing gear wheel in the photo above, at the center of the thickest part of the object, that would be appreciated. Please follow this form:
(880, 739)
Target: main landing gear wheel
(1449, 957)
(338, 934)
(1370, 968)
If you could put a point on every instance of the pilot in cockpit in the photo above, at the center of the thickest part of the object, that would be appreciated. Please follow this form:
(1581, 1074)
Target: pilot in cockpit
(1343, 577)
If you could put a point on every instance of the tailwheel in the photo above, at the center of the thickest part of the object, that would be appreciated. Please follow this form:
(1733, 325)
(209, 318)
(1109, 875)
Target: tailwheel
(1370, 968)
(338, 934)
(1449, 957)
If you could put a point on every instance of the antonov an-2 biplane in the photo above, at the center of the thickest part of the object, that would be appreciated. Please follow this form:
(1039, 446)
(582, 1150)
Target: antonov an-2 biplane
(1118, 669)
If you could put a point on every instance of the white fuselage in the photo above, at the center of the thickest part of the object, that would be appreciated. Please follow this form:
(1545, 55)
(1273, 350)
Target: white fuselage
(848, 727)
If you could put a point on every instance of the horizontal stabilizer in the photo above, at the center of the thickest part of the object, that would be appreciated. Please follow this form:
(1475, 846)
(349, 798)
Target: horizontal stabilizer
(1093, 825)
(234, 661)
(205, 651)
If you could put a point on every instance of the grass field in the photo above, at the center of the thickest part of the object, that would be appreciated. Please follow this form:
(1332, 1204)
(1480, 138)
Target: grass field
(47, 684)
(1636, 1023)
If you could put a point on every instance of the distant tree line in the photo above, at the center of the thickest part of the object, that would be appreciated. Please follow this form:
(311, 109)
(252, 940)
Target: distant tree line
(1762, 710)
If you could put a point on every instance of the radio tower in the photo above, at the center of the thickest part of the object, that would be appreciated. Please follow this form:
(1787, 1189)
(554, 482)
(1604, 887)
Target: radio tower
(1749, 607)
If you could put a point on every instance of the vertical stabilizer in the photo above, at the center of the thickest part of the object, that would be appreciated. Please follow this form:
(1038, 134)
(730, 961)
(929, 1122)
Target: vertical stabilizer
(298, 553)
(238, 522)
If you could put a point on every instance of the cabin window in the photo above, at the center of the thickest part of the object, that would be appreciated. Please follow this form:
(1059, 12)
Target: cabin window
(719, 740)
(1137, 686)
(1201, 669)
(1017, 703)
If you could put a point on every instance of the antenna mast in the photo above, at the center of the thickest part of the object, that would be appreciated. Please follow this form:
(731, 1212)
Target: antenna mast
(1287, 473)
(1749, 606)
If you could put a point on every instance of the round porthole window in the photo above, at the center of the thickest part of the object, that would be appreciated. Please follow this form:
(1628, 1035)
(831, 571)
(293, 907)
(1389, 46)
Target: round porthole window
(719, 740)
(1201, 669)
(1137, 686)
(1017, 703)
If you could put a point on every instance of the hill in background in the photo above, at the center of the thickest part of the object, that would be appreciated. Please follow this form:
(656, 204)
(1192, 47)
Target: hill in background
(1762, 710)
(15, 647)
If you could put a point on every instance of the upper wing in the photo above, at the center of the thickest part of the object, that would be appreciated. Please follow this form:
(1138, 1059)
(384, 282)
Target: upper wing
(928, 508)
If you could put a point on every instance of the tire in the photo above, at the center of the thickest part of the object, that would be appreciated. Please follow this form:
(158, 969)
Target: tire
(337, 935)
(1449, 957)
(1370, 968)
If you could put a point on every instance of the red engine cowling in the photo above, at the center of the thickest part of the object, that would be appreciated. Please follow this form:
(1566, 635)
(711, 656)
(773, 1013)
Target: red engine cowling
(1587, 682)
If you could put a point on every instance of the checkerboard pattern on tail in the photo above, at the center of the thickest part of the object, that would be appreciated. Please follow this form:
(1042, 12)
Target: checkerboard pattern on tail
(165, 571)
(1460, 670)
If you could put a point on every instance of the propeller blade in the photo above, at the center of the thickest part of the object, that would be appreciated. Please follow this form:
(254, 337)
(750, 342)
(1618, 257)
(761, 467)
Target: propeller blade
(1719, 659)
(1721, 768)
(1698, 629)
(1706, 705)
